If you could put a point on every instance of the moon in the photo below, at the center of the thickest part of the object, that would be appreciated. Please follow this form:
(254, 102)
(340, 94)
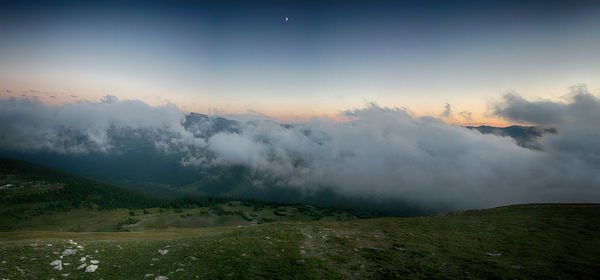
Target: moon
(286, 19)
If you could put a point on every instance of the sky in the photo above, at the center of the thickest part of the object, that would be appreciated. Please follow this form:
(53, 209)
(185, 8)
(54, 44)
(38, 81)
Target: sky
(450, 59)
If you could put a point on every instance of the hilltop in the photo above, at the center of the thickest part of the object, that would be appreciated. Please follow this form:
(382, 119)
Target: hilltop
(62, 226)
(34, 197)
(550, 241)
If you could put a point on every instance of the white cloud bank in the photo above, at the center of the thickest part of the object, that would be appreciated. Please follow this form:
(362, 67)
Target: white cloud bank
(380, 153)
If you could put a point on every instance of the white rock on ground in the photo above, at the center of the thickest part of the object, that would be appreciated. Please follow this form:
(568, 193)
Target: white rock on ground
(94, 261)
(163, 252)
(494, 254)
(83, 259)
(69, 252)
(83, 265)
(57, 264)
(91, 268)
(161, 278)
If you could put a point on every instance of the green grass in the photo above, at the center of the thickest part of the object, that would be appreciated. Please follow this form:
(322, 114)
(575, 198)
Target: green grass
(82, 220)
(543, 241)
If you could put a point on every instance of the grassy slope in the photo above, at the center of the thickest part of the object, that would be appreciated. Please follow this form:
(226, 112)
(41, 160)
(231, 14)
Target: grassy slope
(41, 198)
(525, 241)
(85, 220)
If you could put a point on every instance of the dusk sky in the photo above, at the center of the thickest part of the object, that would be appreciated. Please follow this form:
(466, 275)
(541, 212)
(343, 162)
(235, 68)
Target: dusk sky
(236, 57)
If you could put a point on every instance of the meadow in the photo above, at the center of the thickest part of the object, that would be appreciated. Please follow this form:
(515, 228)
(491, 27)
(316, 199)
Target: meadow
(549, 241)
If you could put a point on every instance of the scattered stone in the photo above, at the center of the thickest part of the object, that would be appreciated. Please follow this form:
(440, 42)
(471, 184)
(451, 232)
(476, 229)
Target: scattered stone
(94, 261)
(19, 269)
(79, 247)
(302, 252)
(82, 266)
(57, 264)
(91, 268)
(149, 275)
(83, 259)
(66, 274)
(163, 252)
(69, 252)
(155, 259)
(494, 254)
(161, 278)
(300, 261)
(179, 269)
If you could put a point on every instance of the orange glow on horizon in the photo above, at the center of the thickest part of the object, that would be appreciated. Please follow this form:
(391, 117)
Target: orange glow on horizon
(296, 115)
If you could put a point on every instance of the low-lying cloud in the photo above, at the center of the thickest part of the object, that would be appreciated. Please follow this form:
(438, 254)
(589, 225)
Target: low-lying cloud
(379, 152)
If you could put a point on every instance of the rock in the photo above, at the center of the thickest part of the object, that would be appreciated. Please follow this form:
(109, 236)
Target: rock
(161, 278)
(163, 252)
(94, 261)
(83, 265)
(91, 268)
(69, 252)
(82, 259)
(57, 264)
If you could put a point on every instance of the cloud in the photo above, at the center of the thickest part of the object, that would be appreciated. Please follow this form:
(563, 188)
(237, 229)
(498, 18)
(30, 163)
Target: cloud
(386, 152)
(83, 127)
(447, 113)
(577, 119)
(379, 152)
(466, 115)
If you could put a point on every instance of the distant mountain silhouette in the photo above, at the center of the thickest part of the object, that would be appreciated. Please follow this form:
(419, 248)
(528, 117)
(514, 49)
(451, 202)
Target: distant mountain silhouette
(525, 136)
